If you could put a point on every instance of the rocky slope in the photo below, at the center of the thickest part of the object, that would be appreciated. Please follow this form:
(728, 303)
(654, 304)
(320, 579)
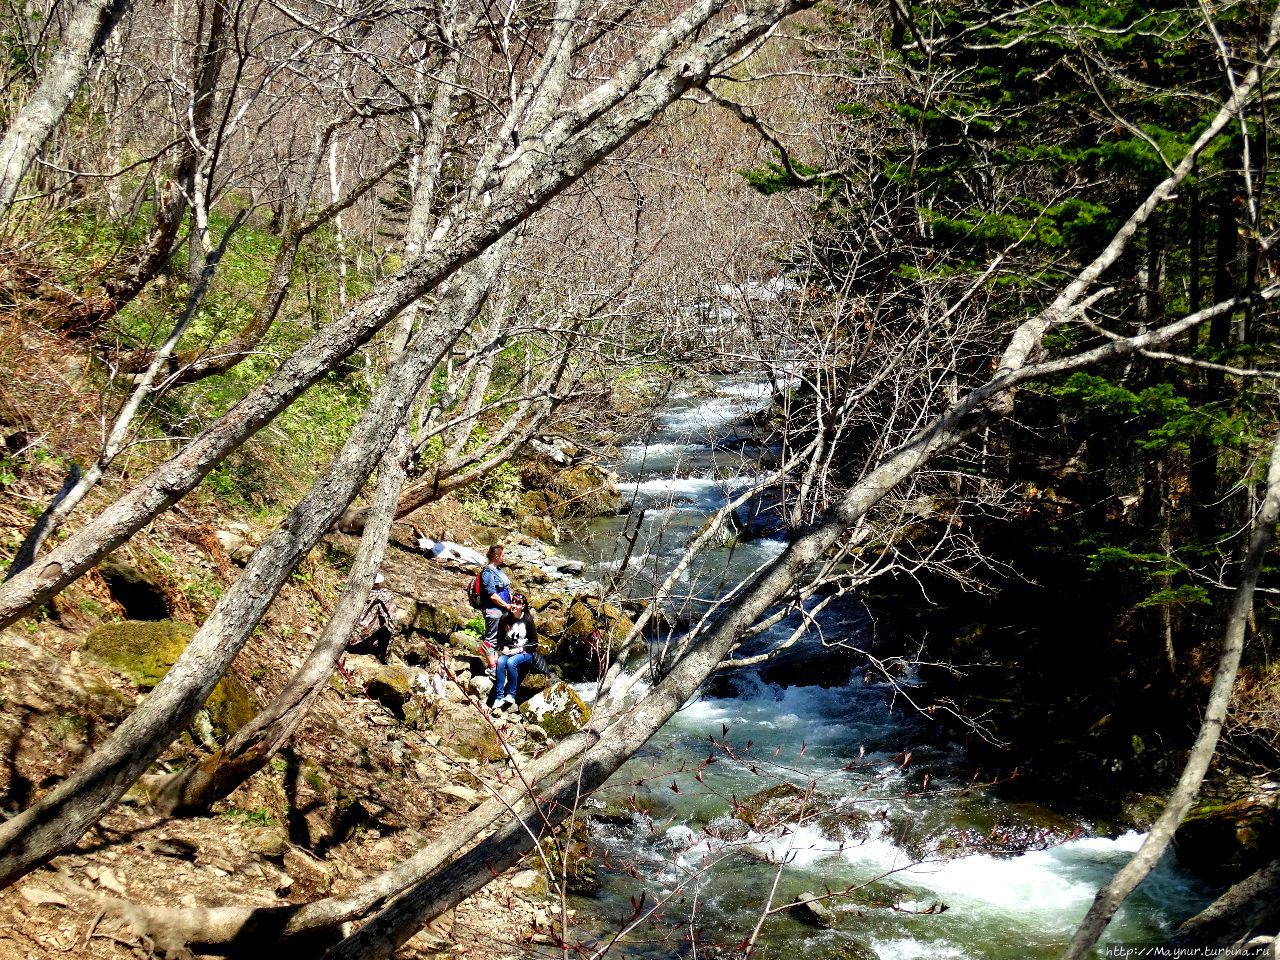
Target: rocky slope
(390, 754)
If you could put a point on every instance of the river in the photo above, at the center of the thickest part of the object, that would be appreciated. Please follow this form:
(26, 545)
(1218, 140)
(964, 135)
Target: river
(925, 858)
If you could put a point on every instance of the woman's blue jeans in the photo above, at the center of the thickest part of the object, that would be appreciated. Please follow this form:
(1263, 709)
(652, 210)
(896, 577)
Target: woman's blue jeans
(508, 674)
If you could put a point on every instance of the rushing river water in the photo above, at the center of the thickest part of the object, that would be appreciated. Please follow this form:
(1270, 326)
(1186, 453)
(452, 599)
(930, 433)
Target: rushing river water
(899, 838)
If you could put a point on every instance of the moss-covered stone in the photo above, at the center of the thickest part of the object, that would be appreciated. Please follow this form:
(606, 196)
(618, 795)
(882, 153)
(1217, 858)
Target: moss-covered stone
(438, 620)
(586, 491)
(477, 742)
(568, 858)
(593, 631)
(1227, 839)
(541, 527)
(534, 681)
(782, 803)
(391, 686)
(543, 503)
(466, 641)
(144, 650)
(558, 710)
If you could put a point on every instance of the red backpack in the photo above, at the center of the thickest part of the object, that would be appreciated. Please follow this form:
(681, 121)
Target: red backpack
(475, 592)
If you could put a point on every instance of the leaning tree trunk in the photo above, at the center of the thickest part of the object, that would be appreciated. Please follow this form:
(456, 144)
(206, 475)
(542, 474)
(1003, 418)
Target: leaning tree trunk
(423, 886)
(200, 784)
(1248, 908)
(89, 25)
(577, 140)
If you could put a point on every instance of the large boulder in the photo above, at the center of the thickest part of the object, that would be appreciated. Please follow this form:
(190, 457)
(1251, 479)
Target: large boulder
(144, 650)
(438, 619)
(781, 803)
(586, 491)
(593, 633)
(544, 503)
(1227, 838)
(391, 686)
(142, 594)
(558, 710)
(811, 910)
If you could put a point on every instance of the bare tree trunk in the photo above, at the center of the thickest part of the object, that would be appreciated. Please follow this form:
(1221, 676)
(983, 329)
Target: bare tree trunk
(145, 262)
(339, 238)
(199, 785)
(88, 26)
(1110, 897)
(116, 441)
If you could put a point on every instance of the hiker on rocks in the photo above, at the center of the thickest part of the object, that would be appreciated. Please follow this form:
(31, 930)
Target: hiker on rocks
(495, 587)
(377, 625)
(518, 639)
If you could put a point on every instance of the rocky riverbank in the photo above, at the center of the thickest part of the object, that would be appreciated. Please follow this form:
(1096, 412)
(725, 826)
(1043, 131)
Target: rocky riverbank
(390, 755)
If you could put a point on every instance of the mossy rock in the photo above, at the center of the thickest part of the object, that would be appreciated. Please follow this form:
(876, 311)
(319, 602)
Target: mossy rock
(391, 686)
(536, 473)
(587, 491)
(543, 503)
(783, 802)
(466, 642)
(727, 535)
(541, 527)
(558, 710)
(437, 620)
(568, 857)
(1225, 841)
(477, 741)
(534, 681)
(593, 631)
(144, 650)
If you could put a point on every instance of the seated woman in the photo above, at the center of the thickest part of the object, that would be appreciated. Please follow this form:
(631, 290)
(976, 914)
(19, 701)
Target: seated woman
(517, 639)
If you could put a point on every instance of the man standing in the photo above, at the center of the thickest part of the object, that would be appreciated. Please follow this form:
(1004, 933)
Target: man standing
(495, 587)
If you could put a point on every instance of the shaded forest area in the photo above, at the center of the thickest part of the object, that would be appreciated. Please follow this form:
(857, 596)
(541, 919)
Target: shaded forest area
(341, 273)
